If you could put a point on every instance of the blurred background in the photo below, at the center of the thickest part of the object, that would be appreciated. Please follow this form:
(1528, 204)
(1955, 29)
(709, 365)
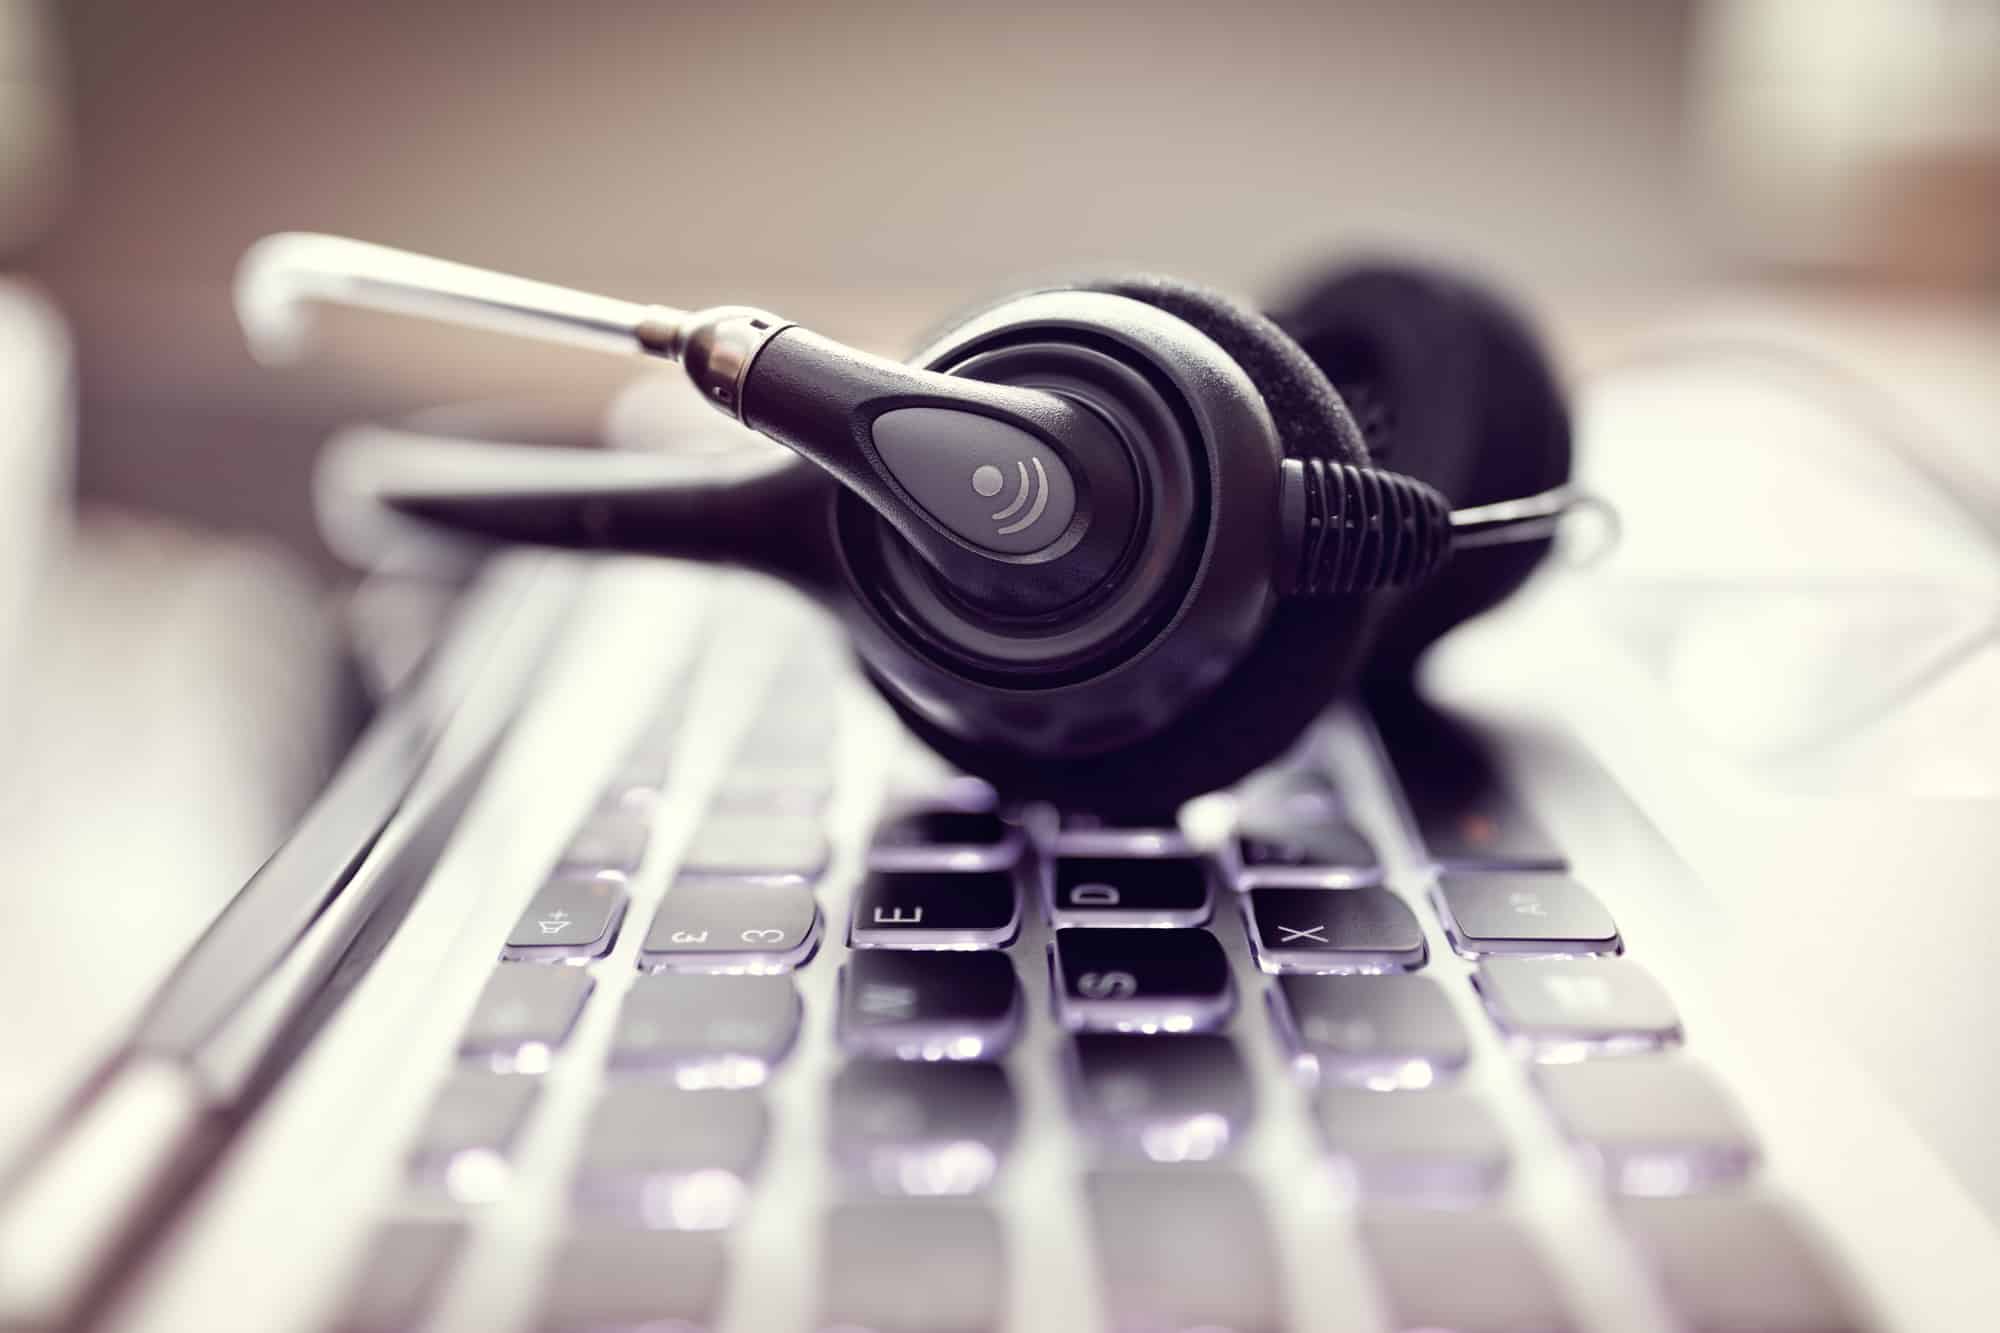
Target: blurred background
(1817, 178)
(869, 168)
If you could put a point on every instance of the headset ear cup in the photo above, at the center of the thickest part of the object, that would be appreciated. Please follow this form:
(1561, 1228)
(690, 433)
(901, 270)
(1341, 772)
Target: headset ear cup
(1450, 386)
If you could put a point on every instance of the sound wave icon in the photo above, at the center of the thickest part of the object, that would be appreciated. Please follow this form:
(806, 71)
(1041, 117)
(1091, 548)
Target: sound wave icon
(987, 482)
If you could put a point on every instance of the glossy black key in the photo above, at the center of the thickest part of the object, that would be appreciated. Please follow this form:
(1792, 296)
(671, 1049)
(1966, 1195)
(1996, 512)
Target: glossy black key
(1440, 1145)
(919, 1128)
(1386, 1032)
(610, 1279)
(611, 841)
(1113, 980)
(744, 925)
(1167, 1099)
(572, 916)
(913, 1267)
(944, 838)
(663, 1157)
(1184, 1249)
(1471, 1272)
(401, 1276)
(1465, 813)
(1561, 1009)
(1129, 891)
(1366, 929)
(466, 1138)
(936, 909)
(1653, 1125)
(1733, 1263)
(523, 1015)
(1294, 828)
(773, 847)
(706, 1031)
(1544, 914)
(929, 1005)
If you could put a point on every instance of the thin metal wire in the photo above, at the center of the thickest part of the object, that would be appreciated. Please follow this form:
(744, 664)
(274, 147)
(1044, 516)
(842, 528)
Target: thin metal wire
(282, 275)
(1530, 518)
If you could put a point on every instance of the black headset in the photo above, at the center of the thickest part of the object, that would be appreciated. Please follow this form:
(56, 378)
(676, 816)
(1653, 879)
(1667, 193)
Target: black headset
(1114, 544)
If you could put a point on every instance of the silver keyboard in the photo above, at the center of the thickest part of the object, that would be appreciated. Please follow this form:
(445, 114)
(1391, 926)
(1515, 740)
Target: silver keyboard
(789, 1028)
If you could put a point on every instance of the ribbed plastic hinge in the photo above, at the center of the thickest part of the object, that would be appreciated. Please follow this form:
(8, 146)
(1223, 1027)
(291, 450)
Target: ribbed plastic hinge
(1354, 529)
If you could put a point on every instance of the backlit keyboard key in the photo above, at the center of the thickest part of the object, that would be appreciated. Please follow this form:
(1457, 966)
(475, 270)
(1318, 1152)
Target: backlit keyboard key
(916, 1128)
(1184, 1249)
(1294, 828)
(929, 1006)
(1130, 891)
(1731, 1263)
(1363, 929)
(1566, 1009)
(1655, 1125)
(706, 1031)
(1113, 980)
(1441, 1145)
(776, 847)
(936, 909)
(621, 1278)
(1470, 1272)
(1524, 914)
(942, 838)
(1168, 1099)
(667, 1158)
(936, 1266)
(466, 1138)
(732, 926)
(523, 1015)
(1465, 814)
(1394, 1031)
(572, 916)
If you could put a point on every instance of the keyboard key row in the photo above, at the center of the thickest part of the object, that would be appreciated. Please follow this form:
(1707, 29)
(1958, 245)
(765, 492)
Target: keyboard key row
(576, 915)
(1374, 1031)
(1172, 1250)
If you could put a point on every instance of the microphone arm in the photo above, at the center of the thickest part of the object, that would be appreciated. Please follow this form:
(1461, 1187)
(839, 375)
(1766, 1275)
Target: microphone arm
(282, 274)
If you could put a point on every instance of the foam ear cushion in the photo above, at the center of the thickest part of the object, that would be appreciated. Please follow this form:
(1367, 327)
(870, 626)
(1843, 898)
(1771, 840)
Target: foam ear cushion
(1451, 387)
(1308, 654)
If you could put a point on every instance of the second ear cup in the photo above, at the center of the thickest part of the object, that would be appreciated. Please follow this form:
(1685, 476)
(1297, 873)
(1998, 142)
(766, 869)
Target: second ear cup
(1450, 386)
(1309, 651)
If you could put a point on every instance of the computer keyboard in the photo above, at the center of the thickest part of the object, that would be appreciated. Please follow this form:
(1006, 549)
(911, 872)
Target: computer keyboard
(948, 1040)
